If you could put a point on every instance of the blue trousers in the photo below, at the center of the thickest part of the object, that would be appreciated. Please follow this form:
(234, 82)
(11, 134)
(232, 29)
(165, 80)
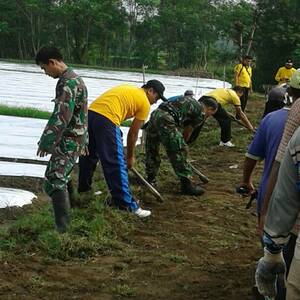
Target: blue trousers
(106, 145)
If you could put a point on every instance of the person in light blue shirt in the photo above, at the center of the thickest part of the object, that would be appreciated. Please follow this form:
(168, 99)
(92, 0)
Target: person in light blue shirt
(189, 93)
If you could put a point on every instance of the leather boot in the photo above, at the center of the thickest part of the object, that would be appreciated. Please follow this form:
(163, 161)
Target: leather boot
(61, 207)
(187, 187)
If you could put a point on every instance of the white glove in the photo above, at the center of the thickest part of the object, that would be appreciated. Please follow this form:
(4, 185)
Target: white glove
(270, 268)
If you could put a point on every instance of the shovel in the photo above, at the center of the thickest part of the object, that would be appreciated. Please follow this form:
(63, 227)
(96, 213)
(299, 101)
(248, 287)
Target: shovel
(148, 185)
(202, 177)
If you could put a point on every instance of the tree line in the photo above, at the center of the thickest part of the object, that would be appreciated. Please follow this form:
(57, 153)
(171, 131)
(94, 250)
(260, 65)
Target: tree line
(201, 35)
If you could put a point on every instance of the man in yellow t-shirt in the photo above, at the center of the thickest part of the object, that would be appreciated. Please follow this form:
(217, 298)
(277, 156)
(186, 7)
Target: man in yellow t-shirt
(226, 97)
(105, 116)
(285, 73)
(243, 78)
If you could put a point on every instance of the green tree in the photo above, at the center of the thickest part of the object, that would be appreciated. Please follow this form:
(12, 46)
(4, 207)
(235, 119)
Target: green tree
(277, 40)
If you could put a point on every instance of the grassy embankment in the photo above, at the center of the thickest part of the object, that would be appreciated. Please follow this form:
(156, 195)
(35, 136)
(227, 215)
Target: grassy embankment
(28, 112)
(95, 229)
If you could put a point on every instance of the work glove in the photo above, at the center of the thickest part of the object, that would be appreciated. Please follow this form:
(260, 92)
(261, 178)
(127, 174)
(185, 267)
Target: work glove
(271, 267)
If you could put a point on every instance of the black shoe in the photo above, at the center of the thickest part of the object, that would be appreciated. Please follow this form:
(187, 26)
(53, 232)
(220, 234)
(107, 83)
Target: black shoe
(187, 188)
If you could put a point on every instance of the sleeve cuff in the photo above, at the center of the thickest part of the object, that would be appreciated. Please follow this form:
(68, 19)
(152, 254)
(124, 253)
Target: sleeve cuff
(254, 157)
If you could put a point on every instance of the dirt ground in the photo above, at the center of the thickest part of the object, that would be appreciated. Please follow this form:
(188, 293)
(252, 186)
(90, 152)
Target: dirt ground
(191, 248)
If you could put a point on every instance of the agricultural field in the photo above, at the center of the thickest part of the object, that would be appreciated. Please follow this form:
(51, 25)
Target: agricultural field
(190, 248)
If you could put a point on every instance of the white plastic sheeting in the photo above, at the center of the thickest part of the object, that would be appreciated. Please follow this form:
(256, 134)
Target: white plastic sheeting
(20, 87)
(21, 169)
(19, 137)
(15, 197)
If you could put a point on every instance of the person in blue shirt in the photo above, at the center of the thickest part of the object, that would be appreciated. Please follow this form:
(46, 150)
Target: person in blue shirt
(264, 147)
(189, 93)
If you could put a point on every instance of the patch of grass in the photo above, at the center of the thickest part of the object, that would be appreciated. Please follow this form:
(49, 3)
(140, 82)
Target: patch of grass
(176, 258)
(124, 290)
(92, 231)
(28, 112)
(25, 112)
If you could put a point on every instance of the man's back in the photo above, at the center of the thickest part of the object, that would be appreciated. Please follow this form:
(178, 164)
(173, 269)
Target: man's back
(122, 102)
(225, 96)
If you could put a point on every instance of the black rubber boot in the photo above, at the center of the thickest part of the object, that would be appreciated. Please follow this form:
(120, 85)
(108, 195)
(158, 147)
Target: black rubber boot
(188, 189)
(61, 207)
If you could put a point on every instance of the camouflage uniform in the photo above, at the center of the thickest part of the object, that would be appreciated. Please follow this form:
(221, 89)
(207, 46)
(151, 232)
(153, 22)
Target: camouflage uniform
(66, 131)
(165, 126)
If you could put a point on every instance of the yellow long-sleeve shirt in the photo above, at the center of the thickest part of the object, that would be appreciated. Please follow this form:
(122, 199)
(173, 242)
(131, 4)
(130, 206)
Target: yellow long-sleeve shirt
(284, 75)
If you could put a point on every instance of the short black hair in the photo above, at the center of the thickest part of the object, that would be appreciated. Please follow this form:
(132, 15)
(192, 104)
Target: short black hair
(46, 53)
(238, 88)
(247, 57)
(209, 102)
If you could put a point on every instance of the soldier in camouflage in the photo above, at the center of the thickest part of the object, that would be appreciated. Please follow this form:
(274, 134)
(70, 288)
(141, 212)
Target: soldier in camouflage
(173, 124)
(65, 135)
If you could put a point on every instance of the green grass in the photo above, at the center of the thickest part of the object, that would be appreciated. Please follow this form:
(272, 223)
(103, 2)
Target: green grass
(28, 112)
(93, 230)
(25, 112)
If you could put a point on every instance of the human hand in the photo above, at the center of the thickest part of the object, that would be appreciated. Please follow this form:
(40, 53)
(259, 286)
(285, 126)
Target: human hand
(271, 267)
(245, 189)
(41, 152)
(84, 151)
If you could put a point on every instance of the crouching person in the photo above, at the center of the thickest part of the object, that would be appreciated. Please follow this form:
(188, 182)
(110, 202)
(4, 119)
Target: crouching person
(172, 124)
(65, 135)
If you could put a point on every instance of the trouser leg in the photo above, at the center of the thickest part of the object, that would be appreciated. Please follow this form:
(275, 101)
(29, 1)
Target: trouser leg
(109, 148)
(225, 123)
(152, 161)
(88, 163)
(244, 98)
(177, 150)
(87, 167)
(58, 172)
(56, 181)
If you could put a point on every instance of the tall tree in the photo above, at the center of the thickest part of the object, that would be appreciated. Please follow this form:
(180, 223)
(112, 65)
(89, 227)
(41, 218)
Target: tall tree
(278, 39)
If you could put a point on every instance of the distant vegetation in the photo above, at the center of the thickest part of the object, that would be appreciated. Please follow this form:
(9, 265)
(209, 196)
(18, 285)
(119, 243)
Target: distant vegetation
(200, 35)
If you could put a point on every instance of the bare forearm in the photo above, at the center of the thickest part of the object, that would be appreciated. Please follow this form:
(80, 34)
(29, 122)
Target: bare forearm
(245, 120)
(131, 141)
(249, 166)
